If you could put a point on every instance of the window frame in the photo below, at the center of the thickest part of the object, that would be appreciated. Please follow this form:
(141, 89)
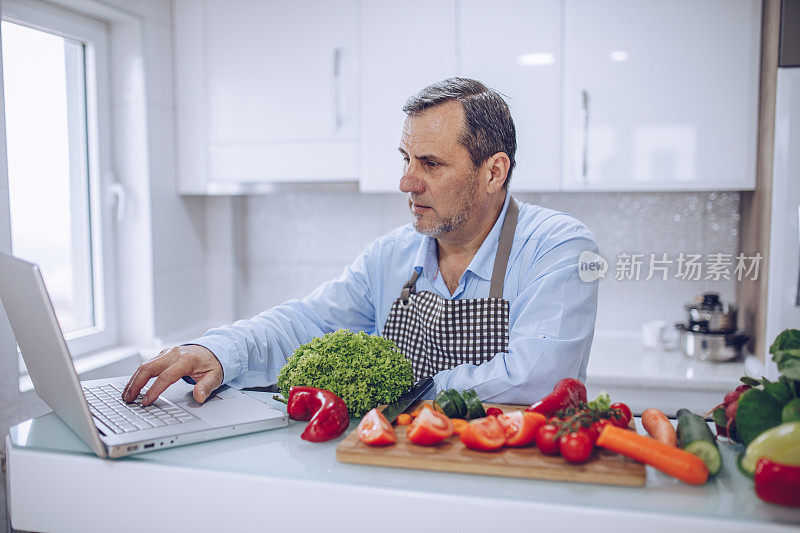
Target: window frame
(93, 34)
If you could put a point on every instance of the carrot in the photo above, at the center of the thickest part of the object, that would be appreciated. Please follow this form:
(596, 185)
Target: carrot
(458, 425)
(671, 460)
(403, 419)
(659, 427)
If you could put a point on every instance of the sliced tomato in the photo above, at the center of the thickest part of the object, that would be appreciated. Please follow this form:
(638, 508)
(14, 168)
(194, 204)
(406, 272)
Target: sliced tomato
(520, 426)
(494, 411)
(430, 427)
(546, 439)
(375, 430)
(484, 434)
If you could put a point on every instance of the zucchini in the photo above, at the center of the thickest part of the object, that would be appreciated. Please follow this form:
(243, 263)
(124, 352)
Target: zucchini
(446, 404)
(695, 437)
(474, 405)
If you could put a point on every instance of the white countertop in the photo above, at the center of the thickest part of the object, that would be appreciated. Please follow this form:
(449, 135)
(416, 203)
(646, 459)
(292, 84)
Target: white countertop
(665, 379)
(272, 479)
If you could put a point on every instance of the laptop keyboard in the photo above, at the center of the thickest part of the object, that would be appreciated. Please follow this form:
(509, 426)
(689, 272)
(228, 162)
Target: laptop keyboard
(106, 404)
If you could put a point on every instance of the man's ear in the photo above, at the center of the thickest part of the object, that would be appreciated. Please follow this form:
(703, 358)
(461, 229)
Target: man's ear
(496, 168)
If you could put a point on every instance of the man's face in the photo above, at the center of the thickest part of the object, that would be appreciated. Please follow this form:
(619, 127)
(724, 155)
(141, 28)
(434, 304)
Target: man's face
(439, 178)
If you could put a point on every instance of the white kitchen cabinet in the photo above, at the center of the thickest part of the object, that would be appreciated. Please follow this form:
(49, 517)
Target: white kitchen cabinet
(660, 95)
(403, 47)
(521, 58)
(265, 92)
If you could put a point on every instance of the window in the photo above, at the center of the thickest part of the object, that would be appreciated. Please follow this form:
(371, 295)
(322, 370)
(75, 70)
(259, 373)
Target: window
(55, 80)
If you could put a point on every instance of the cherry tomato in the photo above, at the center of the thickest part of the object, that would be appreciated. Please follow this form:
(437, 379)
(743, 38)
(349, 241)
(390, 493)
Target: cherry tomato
(520, 427)
(599, 425)
(592, 432)
(494, 411)
(625, 410)
(375, 430)
(484, 434)
(430, 427)
(575, 447)
(545, 439)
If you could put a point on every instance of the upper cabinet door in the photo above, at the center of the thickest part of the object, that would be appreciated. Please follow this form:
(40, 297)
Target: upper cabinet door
(661, 95)
(521, 59)
(275, 85)
(404, 47)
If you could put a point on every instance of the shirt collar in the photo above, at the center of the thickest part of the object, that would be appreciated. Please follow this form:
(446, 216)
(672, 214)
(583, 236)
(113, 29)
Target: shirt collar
(427, 263)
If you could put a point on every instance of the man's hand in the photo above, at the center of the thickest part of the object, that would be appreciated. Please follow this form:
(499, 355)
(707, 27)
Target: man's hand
(171, 365)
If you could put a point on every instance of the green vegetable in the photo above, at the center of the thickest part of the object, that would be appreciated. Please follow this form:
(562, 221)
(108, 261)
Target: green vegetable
(363, 370)
(695, 437)
(786, 353)
(719, 416)
(474, 405)
(778, 390)
(791, 411)
(451, 403)
(757, 412)
(601, 404)
(780, 444)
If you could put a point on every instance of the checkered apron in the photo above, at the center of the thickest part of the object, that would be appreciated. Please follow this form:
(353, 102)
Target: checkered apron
(437, 334)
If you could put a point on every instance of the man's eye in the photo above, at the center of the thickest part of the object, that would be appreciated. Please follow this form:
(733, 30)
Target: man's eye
(431, 164)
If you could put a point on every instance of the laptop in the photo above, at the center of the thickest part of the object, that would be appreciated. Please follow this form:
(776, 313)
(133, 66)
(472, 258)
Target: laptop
(94, 410)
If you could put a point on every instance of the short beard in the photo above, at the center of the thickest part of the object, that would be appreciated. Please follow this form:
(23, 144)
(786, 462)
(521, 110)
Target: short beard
(454, 221)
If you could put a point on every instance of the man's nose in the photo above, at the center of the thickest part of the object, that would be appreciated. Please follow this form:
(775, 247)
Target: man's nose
(410, 183)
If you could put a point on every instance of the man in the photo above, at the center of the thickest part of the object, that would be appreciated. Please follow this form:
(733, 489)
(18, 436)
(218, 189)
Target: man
(479, 292)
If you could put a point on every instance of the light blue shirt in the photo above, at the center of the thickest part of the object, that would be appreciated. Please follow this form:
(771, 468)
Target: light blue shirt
(552, 312)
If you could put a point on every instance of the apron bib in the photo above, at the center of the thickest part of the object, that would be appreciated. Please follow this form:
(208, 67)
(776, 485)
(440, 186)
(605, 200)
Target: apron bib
(436, 333)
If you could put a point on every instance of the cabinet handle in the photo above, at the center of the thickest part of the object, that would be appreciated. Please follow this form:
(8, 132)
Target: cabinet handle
(585, 137)
(337, 88)
(797, 296)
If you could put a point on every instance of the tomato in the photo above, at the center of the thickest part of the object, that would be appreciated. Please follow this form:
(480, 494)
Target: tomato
(494, 411)
(618, 419)
(459, 424)
(545, 439)
(484, 434)
(375, 430)
(598, 426)
(625, 410)
(430, 427)
(520, 427)
(592, 432)
(575, 447)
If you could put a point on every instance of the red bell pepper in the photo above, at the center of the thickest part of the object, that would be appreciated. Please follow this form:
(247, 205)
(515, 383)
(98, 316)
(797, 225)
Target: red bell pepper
(568, 392)
(777, 483)
(327, 413)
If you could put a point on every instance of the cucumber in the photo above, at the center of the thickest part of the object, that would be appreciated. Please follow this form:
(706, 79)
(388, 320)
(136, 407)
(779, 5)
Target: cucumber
(695, 437)
(474, 405)
(449, 407)
(458, 400)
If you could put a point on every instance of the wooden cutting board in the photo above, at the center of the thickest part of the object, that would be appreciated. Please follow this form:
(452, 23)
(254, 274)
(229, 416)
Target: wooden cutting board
(605, 467)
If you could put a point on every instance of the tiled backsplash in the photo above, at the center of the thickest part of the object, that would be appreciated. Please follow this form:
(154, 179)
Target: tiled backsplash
(293, 242)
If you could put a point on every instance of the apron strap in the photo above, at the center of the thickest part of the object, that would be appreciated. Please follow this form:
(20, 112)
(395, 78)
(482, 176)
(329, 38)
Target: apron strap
(408, 288)
(504, 249)
(500, 258)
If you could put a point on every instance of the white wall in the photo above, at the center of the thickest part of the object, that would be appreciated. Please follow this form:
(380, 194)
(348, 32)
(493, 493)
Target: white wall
(290, 243)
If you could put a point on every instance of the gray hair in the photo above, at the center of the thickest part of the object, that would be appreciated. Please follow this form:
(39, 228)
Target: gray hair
(489, 126)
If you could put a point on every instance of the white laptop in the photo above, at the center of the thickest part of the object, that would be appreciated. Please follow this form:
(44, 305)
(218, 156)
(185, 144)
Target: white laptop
(94, 410)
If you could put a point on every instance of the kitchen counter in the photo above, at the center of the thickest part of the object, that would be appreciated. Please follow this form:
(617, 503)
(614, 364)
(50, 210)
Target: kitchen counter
(274, 479)
(663, 379)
